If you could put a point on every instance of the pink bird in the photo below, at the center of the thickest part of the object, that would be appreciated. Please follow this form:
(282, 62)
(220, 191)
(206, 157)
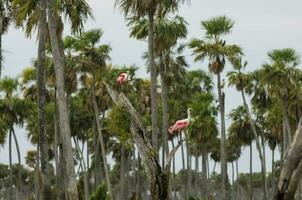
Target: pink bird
(180, 125)
(123, 78)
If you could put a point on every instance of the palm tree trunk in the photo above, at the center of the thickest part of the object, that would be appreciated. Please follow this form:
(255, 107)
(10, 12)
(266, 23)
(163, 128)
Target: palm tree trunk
(258, 145)
(188, 169)
(83, 167)
(153, 80)
(37, 167)
(88, 160)
(102, 144)
(287, 130)
(174, 173)
(59, 63)
(122, 173)
(1, 58)
(204, 172)
(55, 149)
(11, 197)
(251, 172)
(164, 98)
(45, 175)
(273, 174)
(233, 174)
(223, 140)
(196, 174)
(19, 165)
(237, 176)
(183, 167)
(138, 183)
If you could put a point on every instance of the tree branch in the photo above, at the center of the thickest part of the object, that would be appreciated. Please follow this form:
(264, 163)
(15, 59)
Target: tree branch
(171, 155)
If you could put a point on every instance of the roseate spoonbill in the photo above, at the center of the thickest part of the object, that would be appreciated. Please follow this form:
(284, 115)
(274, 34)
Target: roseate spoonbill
(180, 125)
(123, 77)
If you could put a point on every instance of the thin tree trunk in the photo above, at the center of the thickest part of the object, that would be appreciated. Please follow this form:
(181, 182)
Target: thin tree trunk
(88, 160)
(237, 176)
(153, 81)
(208, 167)
(258, 145)
(11, 197)
(188, 177)
(174, 173)
(223, 140)
(19, 165)
(251, 172)
(164, 98)
(45, 174)
(122, 173)
(285, 143)
(37, 168)
(59, 63)
(183, 166)
(83, 167)
(55, 148)
(287, 132)
(196, 178)
(138, 184)
(233, 173)
(102, 144)
(204, 172)
(273, 174)
(1, 58)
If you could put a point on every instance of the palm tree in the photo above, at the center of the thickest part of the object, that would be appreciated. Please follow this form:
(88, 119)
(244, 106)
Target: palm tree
(203, 130)
(216, 50)
(46, 184)
(281, 80)
(59, 64)
(242, 81)
(14, 110)
(5, 18)
(150, 9)
(240, 128)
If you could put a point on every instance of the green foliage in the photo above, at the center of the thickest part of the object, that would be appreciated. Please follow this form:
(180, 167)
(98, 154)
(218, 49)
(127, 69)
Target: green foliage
(100, 193)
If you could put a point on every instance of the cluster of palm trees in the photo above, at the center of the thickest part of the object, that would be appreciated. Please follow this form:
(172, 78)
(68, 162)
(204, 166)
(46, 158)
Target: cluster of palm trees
(65, 103)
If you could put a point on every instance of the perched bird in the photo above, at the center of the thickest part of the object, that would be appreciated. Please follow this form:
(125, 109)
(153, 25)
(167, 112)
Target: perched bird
(123, 78)
(180, 125)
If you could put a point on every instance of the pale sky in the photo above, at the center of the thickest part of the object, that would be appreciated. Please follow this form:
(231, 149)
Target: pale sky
(260, 26)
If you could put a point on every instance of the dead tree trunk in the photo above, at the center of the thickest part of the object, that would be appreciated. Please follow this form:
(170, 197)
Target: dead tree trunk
(291, 167)
(158, 177)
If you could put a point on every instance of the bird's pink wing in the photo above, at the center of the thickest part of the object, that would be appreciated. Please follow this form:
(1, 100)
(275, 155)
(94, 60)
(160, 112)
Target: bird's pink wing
(121, 78)
(179, 125)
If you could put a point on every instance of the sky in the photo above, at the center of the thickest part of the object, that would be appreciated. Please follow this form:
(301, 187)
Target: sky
(260, 26)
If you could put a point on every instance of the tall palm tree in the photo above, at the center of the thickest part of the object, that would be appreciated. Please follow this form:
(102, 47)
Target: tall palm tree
(46, 184)
(5, 18)
(150, 9)
(217, 51)
(203, 130)
(242, 81)
(281, 80)
(59, 64)
(13, 110)
(240, 128)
